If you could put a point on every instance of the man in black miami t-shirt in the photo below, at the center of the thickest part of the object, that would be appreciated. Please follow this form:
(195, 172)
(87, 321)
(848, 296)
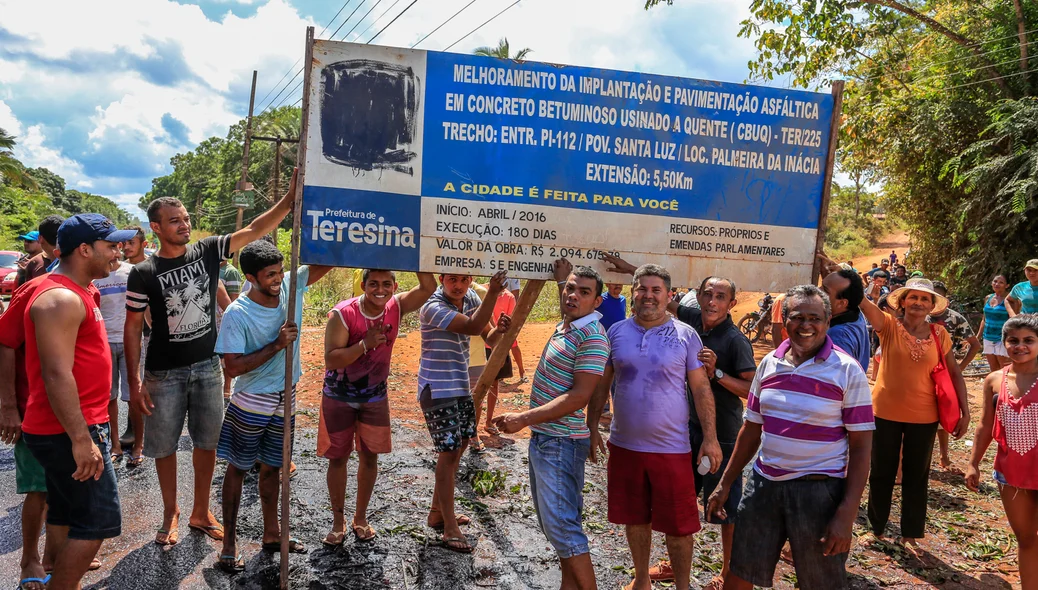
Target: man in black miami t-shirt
(182, 376)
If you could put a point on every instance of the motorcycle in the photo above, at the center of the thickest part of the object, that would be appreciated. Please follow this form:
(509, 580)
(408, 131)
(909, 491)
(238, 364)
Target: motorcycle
(758, 323)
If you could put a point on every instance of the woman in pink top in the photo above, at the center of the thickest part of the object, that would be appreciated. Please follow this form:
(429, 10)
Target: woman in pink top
(1012, 421)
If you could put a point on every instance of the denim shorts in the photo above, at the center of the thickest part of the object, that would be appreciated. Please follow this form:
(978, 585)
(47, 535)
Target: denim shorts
(90, 509)
(799, 510)
(120, 385)
(557, 489)
(194, 392)
(999, 478)
(706, 484)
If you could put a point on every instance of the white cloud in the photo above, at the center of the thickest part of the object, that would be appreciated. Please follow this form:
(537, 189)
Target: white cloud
(32, 151)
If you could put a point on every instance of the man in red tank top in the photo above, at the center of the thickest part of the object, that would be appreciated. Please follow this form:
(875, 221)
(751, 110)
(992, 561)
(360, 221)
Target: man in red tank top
(66, 417)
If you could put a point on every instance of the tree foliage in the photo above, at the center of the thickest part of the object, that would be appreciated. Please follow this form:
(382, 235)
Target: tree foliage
(204, 178)
(503, 51)
(939, 110)
(27, 195)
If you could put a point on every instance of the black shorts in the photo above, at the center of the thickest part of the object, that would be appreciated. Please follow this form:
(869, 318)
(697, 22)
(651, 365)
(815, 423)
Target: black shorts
(90, 509)
(506, 369)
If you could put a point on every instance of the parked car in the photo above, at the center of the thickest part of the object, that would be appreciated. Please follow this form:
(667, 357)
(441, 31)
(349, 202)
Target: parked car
(8, 271)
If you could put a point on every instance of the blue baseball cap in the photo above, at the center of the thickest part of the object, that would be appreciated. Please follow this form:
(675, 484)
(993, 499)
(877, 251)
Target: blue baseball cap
(87, 228)
(30, 237)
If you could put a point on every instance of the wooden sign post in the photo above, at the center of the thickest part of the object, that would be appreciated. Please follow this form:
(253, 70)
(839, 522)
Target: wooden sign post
(827, 186)
(289, 403)
(527, 298)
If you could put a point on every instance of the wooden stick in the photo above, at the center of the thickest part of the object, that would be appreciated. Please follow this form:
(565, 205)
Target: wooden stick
(527, 299)
(289, 403)
(827, 186)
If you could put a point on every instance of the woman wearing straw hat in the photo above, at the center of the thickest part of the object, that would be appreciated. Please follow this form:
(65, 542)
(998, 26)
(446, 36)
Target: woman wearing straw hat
(904, 401)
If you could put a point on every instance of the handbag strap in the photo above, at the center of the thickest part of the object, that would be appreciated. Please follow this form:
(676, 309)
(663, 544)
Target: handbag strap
(937, 345)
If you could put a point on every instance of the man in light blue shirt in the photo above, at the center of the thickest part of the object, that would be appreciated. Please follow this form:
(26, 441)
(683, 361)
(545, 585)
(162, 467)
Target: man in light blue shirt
(253, 337)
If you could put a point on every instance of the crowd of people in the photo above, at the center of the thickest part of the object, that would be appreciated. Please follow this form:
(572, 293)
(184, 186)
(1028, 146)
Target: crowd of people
(184, 338)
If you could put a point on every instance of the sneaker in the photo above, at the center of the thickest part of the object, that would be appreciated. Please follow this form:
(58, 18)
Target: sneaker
(661, 572)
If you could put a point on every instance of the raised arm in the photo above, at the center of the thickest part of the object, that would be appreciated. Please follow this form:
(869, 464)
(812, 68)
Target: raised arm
(476, 324)
(317, 273)
(414, 299)
(268, 220)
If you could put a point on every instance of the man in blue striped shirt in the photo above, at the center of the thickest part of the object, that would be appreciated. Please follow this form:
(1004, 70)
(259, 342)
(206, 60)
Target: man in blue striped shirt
(448, 319)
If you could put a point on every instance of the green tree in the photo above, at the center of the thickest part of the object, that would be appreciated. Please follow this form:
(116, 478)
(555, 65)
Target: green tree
(925, 80)
(503, 51)
(11, 170)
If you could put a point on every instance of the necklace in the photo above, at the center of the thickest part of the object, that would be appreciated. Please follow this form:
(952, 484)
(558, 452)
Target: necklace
(917, 347)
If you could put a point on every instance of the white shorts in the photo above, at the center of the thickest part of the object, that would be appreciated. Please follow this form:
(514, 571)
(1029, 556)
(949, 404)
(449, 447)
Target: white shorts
(995, 348)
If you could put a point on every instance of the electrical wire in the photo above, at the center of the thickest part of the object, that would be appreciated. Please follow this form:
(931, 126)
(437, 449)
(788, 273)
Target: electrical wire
(481, 26)
(413, 2)
(471, 2)
(384, 13)
(991, 79)
(928, 65)
(357, 24)
(341, 8)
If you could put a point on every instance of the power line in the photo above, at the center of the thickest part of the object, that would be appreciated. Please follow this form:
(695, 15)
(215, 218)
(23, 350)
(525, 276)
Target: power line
(929, 65)
(413, 2)
(991, 79)
(471, 2)
(384, 13)
(481, 26)
(341, 8)
(357, 24)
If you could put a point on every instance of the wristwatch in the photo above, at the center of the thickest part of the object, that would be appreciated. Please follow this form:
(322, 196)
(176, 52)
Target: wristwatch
(718, 375)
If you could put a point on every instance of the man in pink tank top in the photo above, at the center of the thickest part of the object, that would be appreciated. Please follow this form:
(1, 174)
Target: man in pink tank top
(358, 346)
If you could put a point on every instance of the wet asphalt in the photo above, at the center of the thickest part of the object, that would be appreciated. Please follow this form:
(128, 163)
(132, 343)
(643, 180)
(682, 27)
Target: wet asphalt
(511, 551)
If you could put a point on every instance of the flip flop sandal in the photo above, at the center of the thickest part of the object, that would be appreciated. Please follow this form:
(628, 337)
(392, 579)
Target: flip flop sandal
(135, 460)
(455, 548)
(477, 446)
(213, 531)
(367, 537)
(232, 564)
(23, 583)
(492, 430)
(462, 521)
(172, 537)
(341, 536)
(116, 457)
(294, 546)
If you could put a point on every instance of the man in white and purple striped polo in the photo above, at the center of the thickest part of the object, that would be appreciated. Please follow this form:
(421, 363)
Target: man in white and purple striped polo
(810, 413)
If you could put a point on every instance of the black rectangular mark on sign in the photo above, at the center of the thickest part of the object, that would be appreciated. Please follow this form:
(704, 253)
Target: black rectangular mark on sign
(368, 114)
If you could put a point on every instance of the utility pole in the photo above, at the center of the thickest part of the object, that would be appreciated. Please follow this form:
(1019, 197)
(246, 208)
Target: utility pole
(244, 188)
(276, 188)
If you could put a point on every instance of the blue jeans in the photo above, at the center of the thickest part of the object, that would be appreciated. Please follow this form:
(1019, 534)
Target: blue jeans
(557, 488)
(194, 392)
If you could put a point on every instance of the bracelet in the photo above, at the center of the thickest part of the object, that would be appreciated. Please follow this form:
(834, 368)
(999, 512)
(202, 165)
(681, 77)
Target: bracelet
(364, 345)
(562, 282)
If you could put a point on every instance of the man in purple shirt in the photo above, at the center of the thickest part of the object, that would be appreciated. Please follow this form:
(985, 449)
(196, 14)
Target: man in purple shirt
(651, 484)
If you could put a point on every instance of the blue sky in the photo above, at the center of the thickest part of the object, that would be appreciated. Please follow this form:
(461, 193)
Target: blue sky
(105, 92)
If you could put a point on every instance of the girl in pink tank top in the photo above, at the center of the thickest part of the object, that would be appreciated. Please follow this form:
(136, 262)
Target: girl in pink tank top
(1010, 418)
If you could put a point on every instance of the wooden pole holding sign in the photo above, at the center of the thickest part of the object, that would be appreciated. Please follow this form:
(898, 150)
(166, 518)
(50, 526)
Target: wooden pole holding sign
(827, 186)
(527, 299)
(289, 403)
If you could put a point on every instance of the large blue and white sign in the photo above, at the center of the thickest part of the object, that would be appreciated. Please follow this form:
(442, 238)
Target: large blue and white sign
(456, 163)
